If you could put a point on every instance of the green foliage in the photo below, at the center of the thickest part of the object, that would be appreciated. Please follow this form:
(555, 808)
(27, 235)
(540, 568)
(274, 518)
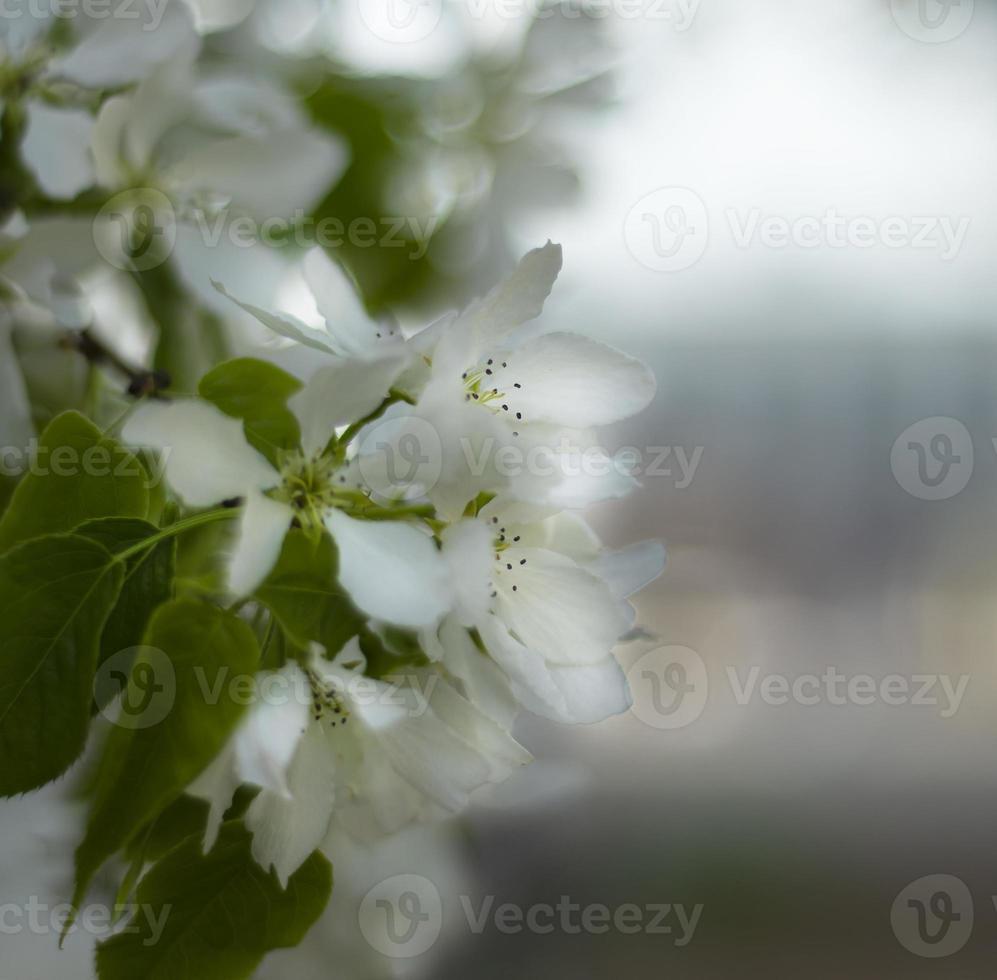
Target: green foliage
(55, 597)
(222, 912)
(390, 650)
(366, 116)
(257, 393)
(79, 475)
(303, 593)
(191, 338)
(183, 818)
(148, 579)
(144, 769)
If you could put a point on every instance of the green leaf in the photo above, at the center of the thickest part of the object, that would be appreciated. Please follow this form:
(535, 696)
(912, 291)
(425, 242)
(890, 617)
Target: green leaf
(304, 594)
(184, 817)
(148, 581)
(219, 913)
(391, 650)
(147, 766)
(257, 393)
(191, 339)
(55, 596)
(79, 475)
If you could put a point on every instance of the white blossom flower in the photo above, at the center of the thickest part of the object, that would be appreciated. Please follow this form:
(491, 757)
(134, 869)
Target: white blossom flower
(375, 754)
(549, 605)
(109, 52)
(391, 569)
(488, 382)
(211, 142)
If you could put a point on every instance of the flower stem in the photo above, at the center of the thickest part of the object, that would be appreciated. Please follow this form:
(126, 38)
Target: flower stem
(395, 395)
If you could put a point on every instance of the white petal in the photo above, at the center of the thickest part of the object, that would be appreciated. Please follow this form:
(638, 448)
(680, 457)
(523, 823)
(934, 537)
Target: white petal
(470, 438)
(162, 100)
(435, 760)
(572, 695)
(107, 141)
(468, 548)
(217, 15)
(536, 527)
(629, 570)
(216, 785)
(382, 802)
(244, 168)
(483, 682)
(521, 297)
(285, 832)
(572, 381)
(594, 692)
(268, 738)
(517, 300)
(284, 325)
(336, 297)
(262, 528)
(205, 453)
(346, 390)
(502, 752)
(556, 607)
(391, 570)
(56, 147)
(124, 49)
(566, 472)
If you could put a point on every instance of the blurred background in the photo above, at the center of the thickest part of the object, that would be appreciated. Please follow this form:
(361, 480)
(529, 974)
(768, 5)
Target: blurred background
(789, 211)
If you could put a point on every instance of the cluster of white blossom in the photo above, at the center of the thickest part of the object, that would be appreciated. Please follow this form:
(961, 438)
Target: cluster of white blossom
(442, 464)
(511, 595)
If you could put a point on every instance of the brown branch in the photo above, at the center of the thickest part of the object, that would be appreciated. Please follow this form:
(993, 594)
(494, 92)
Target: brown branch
(141, 382)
